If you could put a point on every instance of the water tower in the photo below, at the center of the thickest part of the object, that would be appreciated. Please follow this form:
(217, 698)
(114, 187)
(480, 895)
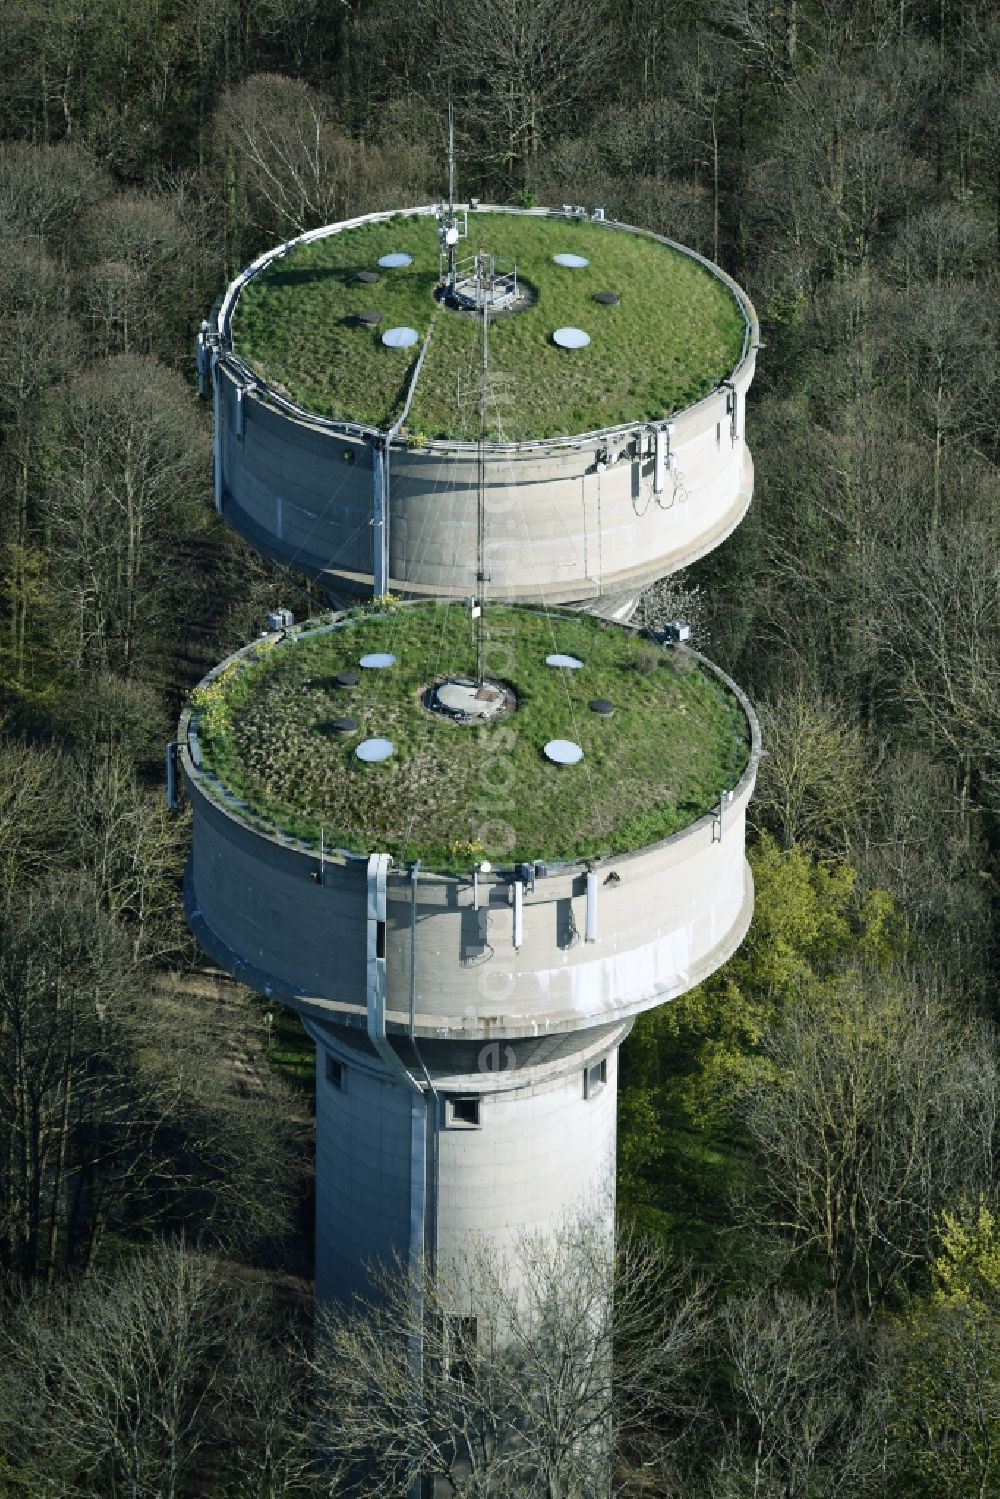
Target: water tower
(467, 831)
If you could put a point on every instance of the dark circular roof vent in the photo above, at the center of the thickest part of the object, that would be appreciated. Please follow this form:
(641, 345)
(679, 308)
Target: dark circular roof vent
(369, 317)
(368, 278)
(607, 298)
(602, 706)
(344, 725)
(347, 679)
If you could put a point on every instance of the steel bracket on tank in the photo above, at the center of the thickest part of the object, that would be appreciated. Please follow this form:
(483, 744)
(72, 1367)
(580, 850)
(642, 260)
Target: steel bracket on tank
(378, 870)
(207, 345)
(718, 815)
(663, 436)
(732, 409)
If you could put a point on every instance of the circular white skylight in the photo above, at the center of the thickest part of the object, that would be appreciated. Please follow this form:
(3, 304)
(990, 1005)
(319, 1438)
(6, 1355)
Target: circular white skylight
(571, 338)
(371, 751)
(563, 752)
(399, 338)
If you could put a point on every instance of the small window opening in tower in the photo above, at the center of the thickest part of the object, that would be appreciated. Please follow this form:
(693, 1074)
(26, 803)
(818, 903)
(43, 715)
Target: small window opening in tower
(334, 1072)
(462, 1337)
(595, 1077)
(463, 1113)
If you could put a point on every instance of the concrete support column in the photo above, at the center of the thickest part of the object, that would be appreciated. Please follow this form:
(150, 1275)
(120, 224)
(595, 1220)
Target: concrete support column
(528, 1152)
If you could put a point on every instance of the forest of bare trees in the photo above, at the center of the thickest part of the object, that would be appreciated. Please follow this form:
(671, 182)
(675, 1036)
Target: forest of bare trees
(809, 1267)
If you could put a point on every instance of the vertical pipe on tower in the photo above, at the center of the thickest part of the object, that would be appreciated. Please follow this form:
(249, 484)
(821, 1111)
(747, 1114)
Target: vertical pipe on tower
(217, 433)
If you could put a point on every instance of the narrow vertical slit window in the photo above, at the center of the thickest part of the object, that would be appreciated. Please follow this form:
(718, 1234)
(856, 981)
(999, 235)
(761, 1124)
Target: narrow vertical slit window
(462, 1338)
(595, 1078)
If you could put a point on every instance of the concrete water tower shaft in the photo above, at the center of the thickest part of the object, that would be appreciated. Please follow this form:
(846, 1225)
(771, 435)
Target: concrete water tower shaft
(467, 928)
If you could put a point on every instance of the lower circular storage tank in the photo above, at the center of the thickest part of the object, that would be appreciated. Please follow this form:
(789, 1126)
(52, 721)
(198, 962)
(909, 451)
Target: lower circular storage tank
(535, 947)
(467, 1020)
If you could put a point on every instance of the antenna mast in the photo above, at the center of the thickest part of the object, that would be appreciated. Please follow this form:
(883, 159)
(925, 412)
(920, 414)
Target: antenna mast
(452, 239)
(484, 378)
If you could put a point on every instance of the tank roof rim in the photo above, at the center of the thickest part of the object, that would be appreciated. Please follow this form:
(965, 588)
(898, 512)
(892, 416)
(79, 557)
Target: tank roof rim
(347, 426)
(203, 778)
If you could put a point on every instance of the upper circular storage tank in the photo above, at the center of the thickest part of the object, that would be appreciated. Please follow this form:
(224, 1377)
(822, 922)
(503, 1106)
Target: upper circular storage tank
(349, 448)
(524, 894)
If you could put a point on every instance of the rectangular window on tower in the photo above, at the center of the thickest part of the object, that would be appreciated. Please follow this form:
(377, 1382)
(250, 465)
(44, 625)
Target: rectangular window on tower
(461, 1340)
(335, 1072)
(594, 1078)
(462, 1113)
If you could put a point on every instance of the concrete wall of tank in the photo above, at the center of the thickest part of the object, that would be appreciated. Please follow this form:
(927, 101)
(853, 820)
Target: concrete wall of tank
(664, 918)
(375, 1181)
(559, 527)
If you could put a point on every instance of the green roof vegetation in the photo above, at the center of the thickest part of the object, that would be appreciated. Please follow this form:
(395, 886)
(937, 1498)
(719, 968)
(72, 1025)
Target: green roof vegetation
(454, 792)
(677, 332)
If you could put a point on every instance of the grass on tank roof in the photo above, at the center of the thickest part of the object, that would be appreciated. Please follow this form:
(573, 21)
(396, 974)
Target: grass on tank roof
(677, 332)
(676, 740)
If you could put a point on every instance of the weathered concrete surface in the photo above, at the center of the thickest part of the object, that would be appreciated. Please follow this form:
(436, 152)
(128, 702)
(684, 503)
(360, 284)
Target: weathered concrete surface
(557, 529)
(543, 1154)
(664, 918)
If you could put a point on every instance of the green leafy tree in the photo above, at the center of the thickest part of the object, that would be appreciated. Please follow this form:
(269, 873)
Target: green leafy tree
(946, 1367)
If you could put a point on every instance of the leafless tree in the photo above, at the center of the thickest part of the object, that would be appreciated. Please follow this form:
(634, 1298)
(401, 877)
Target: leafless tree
(924, 847)
(882, 1109)
(132, 848)
(39, 345)
(146, 1382)
(815, 775)
(297, 167)
(44, 191)
(128, 458)
(31, 810)
(125, 1108)
(809, 1403)
(520, 70)
(947, 374)
(575, 1363)
(63, 977)
(941, 633)
(839, 172)
(134, 276)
